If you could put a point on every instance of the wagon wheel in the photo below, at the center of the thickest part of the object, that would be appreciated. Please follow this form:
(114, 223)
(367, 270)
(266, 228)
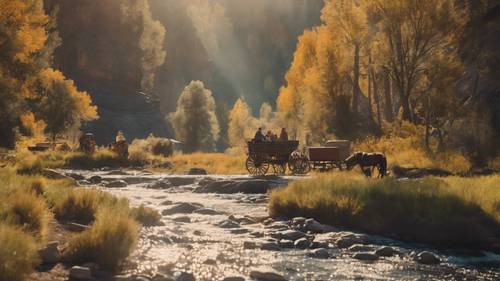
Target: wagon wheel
(299, 165)
(256, 166)
(279, 169)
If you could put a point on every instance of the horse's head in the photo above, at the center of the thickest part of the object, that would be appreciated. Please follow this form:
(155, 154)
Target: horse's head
(352, 160)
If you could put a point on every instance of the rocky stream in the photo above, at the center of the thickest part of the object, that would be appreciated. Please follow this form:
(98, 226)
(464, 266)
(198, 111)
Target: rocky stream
(216, 227)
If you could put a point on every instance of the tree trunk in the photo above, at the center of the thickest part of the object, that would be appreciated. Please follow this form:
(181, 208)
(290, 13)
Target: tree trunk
(388, 110)
(355, 87)
(377, 99)
(405, 102)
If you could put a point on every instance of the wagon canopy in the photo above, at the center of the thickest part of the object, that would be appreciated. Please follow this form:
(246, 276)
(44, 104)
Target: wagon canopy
(273, 149)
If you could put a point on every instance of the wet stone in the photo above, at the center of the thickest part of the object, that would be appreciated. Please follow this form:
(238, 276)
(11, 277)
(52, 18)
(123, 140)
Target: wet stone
(123, 277)
(95, 179)
(183, 219)
(166, 202)
(117, 184)
(385, 252)
(206, 211)
(80, 273)
(286, 243)
(233, 278)
(197, 171)
(180, 208)
(50, 254)
(365, 256)
(270, 246)
(161, 277)
(289, 235)
(184, 276)
(266, 276)
(159, 184)
(427, 258)
(249, 245)
(239, 231)
(359, 248)
(320, 253)
(301, 243)
(348, 241)
(228, 224)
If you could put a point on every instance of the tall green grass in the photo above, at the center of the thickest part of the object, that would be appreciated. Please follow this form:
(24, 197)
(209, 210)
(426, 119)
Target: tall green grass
(452, 212)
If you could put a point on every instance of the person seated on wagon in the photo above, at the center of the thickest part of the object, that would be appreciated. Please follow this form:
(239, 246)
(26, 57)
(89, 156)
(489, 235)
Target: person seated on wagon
(271, 137)
(259, 136)
(283, 135)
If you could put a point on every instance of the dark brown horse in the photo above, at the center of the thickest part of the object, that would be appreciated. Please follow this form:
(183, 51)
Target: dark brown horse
(368, 160)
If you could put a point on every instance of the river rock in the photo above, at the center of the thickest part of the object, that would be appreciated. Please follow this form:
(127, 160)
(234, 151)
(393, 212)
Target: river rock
(117, 184)
(180, 181)
(206, 211)
(289, 235)
(180, 208)
(50, 254)
(184, 219)
(365, 256)
(197, 171)
(166, 203)
(233, 278)
(183, 276)
(239, 231)
(55, 175)
(284, 243)
(301, 243)
(427, 258)
(80, 273)
(95, 179)
(141, 278)
(270, 246)
(76, 176)
(84, 182)
(123, 277)
(385, 252)
(159, 184)
(349, 240)
(253, 186)
(320, 253)
(359, 248)
(266, 276)
(161, 277)
(228, 224)
(249, 245)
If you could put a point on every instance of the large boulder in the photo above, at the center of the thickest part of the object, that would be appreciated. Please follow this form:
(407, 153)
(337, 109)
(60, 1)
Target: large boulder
(302, 243)
(385, 251)
(180, 181)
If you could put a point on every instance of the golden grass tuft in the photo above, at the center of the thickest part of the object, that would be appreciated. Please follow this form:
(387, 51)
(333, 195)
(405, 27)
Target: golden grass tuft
(29, 212)
(146, 216)
(455, 212)
(18, 253)
(213, 163)
(108, 242)
(101, 158)
(82, 204)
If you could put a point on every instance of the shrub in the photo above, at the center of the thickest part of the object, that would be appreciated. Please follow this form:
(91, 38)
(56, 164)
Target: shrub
(149, 150)
(101, 158)
(162, 147)
(146, 216)
(18, 254)
(81, 204)
(440, 212)
(108, 242)
(29, 212)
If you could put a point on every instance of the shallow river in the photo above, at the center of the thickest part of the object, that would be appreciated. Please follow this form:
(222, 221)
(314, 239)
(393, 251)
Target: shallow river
(198, 244)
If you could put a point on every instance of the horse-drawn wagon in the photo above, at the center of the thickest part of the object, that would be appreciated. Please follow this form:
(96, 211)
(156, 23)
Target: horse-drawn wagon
(279, 155)
(330, 156)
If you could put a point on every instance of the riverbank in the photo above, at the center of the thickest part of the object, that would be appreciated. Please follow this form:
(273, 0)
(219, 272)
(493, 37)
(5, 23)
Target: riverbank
(443, 212)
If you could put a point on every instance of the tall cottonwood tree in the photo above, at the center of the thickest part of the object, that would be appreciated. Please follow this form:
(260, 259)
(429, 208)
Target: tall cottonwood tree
(194, 121)
(241, 124)
(414, 33)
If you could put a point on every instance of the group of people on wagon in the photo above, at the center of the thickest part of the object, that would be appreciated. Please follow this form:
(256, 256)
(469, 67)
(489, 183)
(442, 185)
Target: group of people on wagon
(270, 136)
